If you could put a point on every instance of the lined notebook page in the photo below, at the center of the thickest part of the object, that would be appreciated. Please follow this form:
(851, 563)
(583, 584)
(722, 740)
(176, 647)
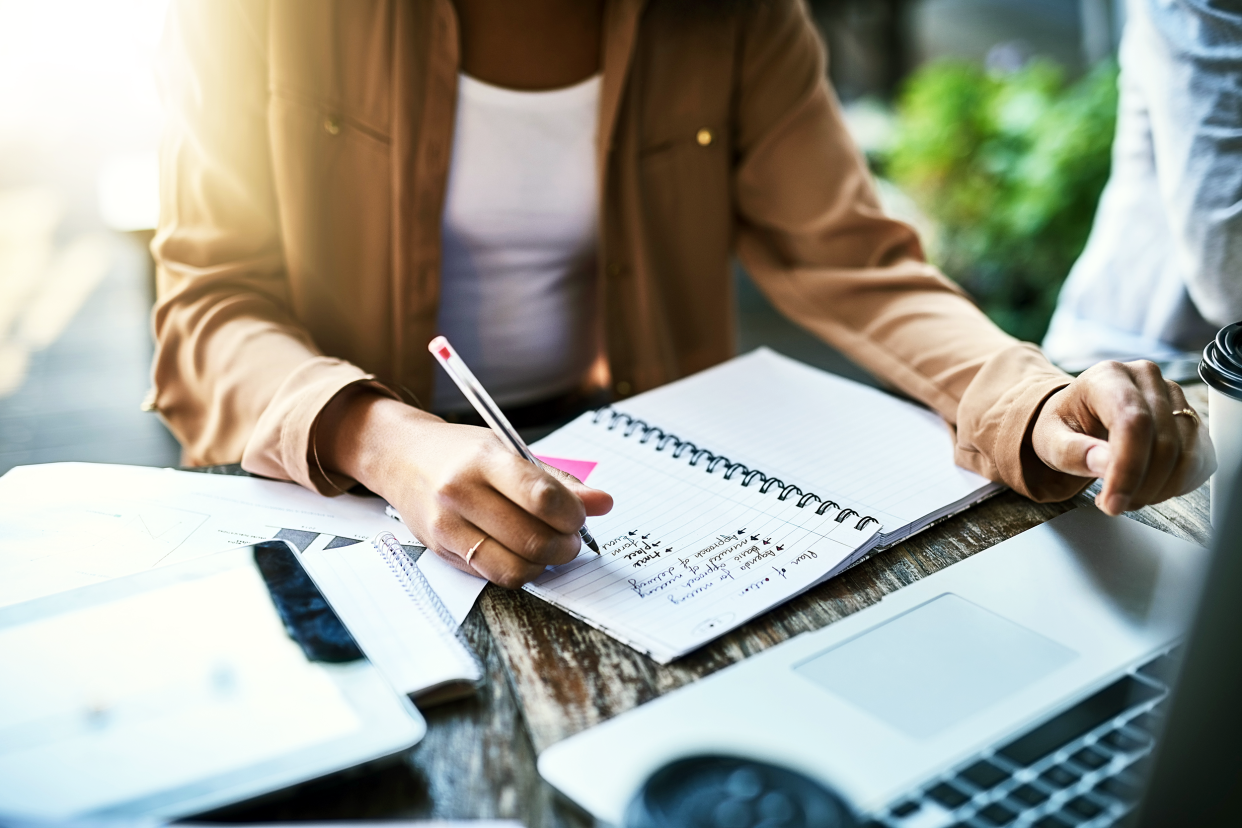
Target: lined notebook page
(686, 555)
(827, 435)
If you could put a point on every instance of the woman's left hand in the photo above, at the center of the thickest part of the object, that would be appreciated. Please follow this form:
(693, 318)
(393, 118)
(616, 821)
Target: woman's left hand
(1116, 421)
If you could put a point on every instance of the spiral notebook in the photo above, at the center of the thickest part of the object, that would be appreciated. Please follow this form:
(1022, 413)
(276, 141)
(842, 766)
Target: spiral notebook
(739, 488)
(396, 617)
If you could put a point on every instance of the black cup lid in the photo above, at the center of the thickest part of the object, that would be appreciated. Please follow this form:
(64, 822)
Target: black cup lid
(1221, 367)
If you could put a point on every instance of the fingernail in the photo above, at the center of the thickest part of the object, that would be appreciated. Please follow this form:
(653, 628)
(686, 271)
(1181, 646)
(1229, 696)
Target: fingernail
(1098, 458)
(1118, 504)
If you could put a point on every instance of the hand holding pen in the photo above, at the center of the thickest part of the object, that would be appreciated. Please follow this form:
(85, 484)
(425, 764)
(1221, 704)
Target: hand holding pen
(493, 416)
(457, 487)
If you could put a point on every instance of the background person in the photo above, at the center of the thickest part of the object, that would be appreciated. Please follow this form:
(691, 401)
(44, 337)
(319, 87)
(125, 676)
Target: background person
(1162, 269)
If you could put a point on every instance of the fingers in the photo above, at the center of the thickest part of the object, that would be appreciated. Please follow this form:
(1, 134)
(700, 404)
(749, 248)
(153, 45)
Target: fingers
(1198, 459)
(521, 528)
(1061, 444)
(500, 566)
(1098, 458)
(537, 492)
(551, 506)
(1144, 464)
(1116, 422)
(455, 537)
(1116, 400)
(595, 501)
(1180, 456)
(532, 512)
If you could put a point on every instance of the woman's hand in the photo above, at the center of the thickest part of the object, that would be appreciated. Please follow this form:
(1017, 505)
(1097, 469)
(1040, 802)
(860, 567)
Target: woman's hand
(454, 485)
(1116, 421)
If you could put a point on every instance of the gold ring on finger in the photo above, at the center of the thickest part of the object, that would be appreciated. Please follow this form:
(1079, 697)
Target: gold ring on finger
(1188, 412)
(474, 549)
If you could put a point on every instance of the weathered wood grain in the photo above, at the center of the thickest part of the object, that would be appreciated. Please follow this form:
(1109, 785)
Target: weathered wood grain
(477, 760)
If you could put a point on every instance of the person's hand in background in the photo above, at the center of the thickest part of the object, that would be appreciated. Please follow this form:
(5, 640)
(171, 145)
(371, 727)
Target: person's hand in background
(1117, 421)
(455, 485)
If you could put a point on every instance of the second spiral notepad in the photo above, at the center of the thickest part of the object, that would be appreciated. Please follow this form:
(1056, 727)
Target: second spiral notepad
(739, 488)
(395, 616)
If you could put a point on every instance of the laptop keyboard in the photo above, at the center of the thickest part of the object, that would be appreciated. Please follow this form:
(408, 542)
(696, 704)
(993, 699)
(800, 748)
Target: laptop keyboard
(1084, 767)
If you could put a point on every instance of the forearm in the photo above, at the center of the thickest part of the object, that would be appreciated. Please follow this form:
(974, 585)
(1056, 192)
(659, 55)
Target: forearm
(921, 336)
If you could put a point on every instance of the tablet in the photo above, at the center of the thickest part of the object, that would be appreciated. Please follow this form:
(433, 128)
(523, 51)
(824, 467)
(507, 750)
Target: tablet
(180, 690)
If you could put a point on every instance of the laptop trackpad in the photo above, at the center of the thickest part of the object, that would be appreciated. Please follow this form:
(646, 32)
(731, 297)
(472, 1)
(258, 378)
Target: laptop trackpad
(933, 666)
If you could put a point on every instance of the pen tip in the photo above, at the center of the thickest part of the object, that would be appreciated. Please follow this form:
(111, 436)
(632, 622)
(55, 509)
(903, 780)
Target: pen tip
(594, 546)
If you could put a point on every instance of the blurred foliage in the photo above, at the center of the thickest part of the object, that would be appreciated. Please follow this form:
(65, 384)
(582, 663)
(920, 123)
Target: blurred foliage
(1010, 167)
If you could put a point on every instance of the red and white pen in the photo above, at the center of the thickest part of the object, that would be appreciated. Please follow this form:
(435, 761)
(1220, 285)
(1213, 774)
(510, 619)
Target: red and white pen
(488, 410)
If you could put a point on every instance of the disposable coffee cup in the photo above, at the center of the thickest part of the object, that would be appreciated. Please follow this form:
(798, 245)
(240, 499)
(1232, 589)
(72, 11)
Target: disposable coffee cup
(1221, 369)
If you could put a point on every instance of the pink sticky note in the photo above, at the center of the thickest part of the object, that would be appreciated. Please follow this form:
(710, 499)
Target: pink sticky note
(580, 469)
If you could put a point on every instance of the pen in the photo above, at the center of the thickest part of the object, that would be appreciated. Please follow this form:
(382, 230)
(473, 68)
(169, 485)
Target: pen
(483, 403)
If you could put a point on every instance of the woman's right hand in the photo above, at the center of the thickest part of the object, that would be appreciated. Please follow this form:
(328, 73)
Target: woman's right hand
(454, 485)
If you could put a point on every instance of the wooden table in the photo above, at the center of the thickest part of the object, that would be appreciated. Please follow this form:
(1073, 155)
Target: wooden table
(550, 676)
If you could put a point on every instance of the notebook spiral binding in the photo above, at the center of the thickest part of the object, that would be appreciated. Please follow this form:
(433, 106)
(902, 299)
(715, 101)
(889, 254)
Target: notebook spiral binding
(412, 579)
(715, 461)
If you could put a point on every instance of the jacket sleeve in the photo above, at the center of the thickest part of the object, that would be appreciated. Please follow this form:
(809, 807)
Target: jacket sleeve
(813, 236)
(236, 377)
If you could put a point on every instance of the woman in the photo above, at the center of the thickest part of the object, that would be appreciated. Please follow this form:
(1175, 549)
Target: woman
(344, 179)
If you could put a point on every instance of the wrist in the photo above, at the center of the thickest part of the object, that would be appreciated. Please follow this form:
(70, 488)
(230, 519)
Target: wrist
(357, 430)
(1044, 480)
(1039, 420)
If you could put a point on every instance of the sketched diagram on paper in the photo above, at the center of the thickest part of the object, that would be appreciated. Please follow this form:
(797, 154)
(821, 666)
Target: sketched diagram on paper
(149, 532)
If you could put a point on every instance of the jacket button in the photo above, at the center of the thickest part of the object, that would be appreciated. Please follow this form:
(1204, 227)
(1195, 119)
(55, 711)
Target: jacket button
(332, 125)
(704, 137)
(622, 387)
(616, 269)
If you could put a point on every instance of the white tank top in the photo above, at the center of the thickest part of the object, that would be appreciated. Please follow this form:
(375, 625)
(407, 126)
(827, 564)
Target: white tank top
(518, 274)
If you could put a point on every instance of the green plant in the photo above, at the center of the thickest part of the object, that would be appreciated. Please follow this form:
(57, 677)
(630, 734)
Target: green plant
(1010, 168)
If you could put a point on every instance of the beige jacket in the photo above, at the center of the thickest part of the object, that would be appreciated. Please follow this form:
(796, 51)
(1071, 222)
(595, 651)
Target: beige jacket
(303, 174)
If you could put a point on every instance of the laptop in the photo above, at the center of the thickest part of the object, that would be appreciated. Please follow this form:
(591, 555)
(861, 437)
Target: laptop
(1023, 686)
